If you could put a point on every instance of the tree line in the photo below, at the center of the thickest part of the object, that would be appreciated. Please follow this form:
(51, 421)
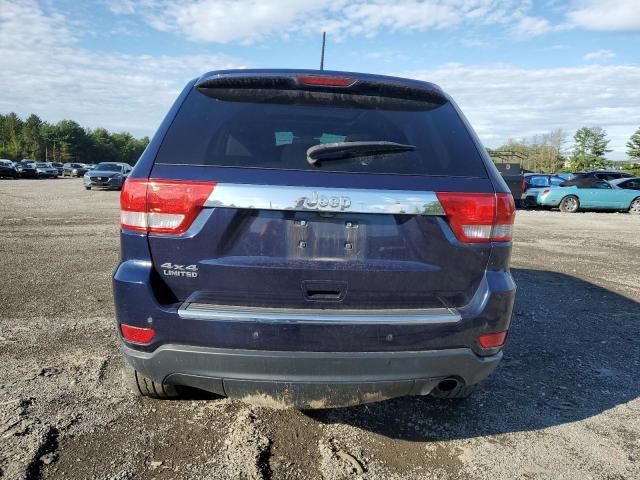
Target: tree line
(65, 141)
(549, 152)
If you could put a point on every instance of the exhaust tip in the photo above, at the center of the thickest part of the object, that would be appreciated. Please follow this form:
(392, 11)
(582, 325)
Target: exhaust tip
(448, 385)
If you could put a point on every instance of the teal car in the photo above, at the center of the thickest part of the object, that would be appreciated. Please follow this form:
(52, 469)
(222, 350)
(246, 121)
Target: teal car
(591, 194)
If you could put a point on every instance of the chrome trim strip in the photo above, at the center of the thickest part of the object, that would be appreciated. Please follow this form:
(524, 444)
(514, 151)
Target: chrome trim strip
(322, 199)
(200, 311)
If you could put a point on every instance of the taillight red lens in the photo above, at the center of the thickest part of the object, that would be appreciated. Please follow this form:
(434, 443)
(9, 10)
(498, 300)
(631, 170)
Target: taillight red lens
(162, 206)
(492, 340)
(137, 334)
(479, 217)
(326, 81)
(505, 216)
(133, 205)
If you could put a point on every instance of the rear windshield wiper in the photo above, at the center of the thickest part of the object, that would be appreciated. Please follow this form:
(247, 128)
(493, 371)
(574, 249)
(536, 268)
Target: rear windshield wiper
(343, 150)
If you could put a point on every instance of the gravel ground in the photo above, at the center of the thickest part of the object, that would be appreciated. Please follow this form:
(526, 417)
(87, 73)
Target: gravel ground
(563, 404)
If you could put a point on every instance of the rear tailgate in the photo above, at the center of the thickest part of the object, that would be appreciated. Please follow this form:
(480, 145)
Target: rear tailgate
(275, 231)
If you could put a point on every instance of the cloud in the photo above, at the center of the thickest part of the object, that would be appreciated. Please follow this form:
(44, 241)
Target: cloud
(503, 101)
(45, 70)
(527, 27)
(224, 21)
(610, 15)
(599, 56)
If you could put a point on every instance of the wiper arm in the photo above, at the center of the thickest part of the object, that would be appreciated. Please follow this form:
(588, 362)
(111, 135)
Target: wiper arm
(342, 150)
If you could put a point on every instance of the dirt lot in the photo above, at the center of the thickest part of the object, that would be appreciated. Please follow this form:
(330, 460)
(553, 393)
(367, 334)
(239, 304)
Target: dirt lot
(563, 404)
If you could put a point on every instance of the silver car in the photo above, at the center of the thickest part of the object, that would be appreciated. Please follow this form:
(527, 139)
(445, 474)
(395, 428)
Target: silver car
(46, 170)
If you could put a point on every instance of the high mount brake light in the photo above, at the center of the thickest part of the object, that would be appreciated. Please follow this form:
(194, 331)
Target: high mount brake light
(162, 206)
(479, 217)
(326, 81)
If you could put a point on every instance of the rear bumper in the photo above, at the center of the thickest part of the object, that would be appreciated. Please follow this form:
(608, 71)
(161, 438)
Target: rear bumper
(309, 379)
(306, 359)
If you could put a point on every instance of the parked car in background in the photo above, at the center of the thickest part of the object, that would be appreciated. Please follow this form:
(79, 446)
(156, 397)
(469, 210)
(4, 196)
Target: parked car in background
(316, 239)
(58, 166)
(107, 175)
(566, 176)
(73, 170)
(599, 174)
(46, 170)
(632, 183)
(7, 169)
(534, 183)
(512, 174)
(27, 169)
(590, 193)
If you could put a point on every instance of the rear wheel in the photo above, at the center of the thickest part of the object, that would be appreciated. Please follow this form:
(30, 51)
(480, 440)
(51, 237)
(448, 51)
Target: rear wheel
(634, 208)
(87, 188)
(570, 204)
(146, 387)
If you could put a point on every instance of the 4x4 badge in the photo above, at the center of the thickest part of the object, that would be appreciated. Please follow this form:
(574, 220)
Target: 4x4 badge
(176, 270)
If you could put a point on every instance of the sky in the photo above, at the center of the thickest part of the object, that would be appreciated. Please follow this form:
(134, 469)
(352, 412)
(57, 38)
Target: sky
(517, 68)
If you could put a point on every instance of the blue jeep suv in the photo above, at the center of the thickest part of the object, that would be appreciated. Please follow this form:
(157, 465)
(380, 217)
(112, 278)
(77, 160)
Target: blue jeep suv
(315, 238)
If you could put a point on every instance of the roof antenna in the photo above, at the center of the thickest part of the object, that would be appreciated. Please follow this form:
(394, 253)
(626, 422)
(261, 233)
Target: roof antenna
(324, 36)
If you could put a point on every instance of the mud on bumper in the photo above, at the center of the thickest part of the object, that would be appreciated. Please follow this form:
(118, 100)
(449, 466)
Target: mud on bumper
(309, 379)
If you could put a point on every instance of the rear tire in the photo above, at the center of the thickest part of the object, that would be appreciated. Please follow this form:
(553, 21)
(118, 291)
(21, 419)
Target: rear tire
(87, 188)
(634, 208)
(570, 204)
(458, 392)
(146, 387)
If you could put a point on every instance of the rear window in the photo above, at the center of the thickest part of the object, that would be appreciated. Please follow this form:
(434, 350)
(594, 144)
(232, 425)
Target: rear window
(209, 131)
(540, 181)
(114, 167)
(556, 181)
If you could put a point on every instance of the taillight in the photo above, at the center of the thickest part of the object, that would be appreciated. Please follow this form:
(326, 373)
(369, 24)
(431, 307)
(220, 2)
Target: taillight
(479, 217)
(505, 216)
(524, 185)
(137, 334)
(162, 206)
(326, 81)
(545, 191)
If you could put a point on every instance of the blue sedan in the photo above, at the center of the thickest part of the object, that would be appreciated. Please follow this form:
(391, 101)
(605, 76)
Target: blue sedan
(592, 194)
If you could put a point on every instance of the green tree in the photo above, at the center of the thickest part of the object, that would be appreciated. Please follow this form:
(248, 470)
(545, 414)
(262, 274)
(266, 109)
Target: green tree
(65, 141)
(103, 148)
(11, 136)
(591, 145)
(129, 148)
(33, 142)
(633, 145)
(73, 141)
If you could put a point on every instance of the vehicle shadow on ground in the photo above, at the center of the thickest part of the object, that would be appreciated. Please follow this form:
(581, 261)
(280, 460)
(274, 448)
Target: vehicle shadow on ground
(572, 354)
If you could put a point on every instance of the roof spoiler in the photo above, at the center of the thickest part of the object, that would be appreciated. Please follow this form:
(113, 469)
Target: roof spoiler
(324, 89)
